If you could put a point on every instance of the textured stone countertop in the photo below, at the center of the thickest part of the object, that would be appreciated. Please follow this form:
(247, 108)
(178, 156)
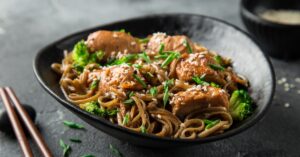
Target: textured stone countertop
(28, 25)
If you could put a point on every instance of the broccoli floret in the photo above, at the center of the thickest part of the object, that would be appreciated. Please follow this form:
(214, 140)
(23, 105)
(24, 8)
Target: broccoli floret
(240, 105)
(81, 56)
(93, 107)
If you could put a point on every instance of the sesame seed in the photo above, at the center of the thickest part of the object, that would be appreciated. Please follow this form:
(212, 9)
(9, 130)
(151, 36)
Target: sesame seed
(297, 79)
(286, 105)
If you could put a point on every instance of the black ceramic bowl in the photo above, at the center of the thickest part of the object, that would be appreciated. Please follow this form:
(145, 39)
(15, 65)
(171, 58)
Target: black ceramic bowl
(278, 40)
(217, 35)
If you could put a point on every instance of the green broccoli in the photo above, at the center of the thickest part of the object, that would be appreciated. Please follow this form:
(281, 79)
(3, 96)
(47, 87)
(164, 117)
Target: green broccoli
(82, 57)
(240, 105)
(93, 107)
(80, 54)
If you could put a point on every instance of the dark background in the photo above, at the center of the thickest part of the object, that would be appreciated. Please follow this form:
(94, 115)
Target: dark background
(28, 25)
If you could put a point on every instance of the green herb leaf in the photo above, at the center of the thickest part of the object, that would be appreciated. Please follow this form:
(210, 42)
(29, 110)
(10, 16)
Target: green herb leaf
(170, 58)
(112, 112)
(216, 67)
(143, 129)
(166, 91)
(218, 59)
(140, 80)
(88, 155)
(73, 125)
(186, 44)
(137, 66)
(210, 123)
(153, 91)
(94, 84)
(150, 74)
(115, 151)
(125, 59)
(214, 85)
(145, 57)
(144, 40)
(76, 140)
(66, 148)
(122, 30)
(200, 80)
(131, 93)
(126, 119)
(128, 102)
(161, 49)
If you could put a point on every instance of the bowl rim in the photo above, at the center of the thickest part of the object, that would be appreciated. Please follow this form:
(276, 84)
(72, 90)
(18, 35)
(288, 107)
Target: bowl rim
(254, 17)
(124, 130)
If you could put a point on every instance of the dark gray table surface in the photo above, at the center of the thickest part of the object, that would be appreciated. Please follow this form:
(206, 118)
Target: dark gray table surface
(28, 25)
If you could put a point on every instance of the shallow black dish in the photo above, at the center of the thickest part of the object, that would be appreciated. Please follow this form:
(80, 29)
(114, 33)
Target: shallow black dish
(278, 40)
(215, 34)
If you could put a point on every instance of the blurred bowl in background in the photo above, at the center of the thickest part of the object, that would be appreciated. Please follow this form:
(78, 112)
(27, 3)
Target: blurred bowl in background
(279, 39)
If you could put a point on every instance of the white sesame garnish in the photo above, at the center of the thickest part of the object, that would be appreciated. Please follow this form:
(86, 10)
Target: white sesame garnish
(286, 105)
(297, 79)
(133, 43)
(115, 35)
(182, 125)
(159, 116)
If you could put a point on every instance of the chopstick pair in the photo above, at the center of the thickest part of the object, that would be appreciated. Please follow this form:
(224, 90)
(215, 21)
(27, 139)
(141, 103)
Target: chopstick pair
(8, 96)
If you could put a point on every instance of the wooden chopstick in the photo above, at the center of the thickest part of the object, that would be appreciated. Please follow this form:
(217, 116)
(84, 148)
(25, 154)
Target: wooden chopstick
(16, 125)
(29, 124)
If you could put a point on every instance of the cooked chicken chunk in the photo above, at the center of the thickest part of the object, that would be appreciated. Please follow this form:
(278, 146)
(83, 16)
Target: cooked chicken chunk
(198, 97)
(112, 43)
(197, 64)
(117, 76)
(177, 43)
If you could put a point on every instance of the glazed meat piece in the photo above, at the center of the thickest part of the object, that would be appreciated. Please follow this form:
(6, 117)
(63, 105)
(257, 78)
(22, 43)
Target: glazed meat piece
(198, 97)
(171, 43)
(197, 64)
(113, 44)
(117, 76)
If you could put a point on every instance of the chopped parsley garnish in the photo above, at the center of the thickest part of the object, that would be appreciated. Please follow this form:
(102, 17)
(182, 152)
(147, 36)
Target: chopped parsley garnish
(140, 80)
(145, 57)
(144, 40)
(218, 59)
(170, 58)
(94, 84)
(161, 49)
(111, 112)
(210, 123)
(166, 91)
(188, 46)
(126, 119)
(115, 151)
(66, 148)
(73, 125)
(76, 140)
(153, 91)
(216, 67)
(143, 129)
(138, 66)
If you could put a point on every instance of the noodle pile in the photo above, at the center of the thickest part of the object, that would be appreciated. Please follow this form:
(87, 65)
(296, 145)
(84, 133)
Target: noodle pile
(163, 85)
